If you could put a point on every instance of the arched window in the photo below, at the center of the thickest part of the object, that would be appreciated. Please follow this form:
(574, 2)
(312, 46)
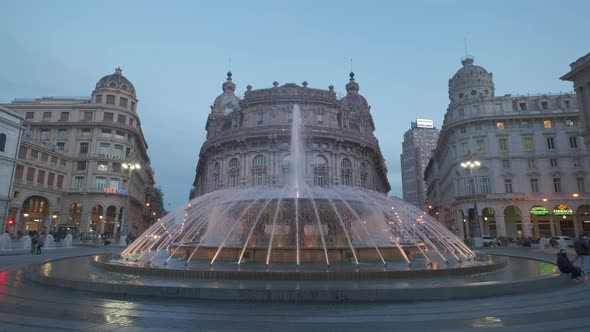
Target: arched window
(285, 169)
(112, 85)
(259, 171)
(124, 87)
(346, 170)
(2, 142)
(320, 171)
(216, 171)
(364, 175)
(234, 172)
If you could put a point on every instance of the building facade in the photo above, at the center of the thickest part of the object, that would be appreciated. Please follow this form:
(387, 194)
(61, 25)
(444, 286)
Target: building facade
(248, 140)
(10, 134)
(71, 175)
(531, 177)
(580, 75)
(417, 147)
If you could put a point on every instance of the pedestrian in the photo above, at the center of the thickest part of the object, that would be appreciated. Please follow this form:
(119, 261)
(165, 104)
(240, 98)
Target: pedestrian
(34, 241)
(565, 265)
(40, 243)
(583, 252)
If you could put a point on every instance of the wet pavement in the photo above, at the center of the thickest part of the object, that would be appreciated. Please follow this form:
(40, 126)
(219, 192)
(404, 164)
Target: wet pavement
(28, 306)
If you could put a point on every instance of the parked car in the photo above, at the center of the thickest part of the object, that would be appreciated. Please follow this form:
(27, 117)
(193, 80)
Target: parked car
(554, 241)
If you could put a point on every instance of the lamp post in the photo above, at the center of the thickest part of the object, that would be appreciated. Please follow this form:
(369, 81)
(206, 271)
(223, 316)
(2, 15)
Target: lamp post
(125, 226)
(471, 164)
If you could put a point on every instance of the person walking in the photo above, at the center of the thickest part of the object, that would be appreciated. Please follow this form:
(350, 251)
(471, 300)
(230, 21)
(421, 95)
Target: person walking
(40, 243)
(583, 252)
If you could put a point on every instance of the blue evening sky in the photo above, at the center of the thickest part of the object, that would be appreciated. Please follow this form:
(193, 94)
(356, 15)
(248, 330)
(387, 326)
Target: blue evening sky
(176, 54)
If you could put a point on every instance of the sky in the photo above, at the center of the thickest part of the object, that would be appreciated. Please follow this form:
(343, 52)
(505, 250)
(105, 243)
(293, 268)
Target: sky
(177, 54)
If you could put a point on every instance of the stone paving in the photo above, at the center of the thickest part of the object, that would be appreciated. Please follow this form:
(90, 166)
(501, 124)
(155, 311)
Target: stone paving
(27, 306)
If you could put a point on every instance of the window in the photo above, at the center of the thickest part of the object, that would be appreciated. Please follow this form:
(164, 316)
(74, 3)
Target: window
(29, 115)
(99, 99)
(84, 147)
(464, 130)
(81, 166)
(110, 100)
(260, 117)
(130, 122)
(44, 134)
(54, 160)
(319, 118)
(569, 123)
(573, 142)
(534, 185)
(107, 117)
(553, 163)
(41, 177)
(477, 127)
(576, 162)
(475, 109)
(465, 148)
(544, 105)
(106, 133)
(364, 175)
(522, 106)
(20, 169)
(86, 133)
(461, 113)
(132, 107)
(119, 135)
(234, 172)
(581, 185)
(60, 181)
(505, 163)
(216, 176)
(508, 186)
(531, 163)
(114, 183)
(64, 116)
(121, 119)
(116, 167)
(557, 185)
(2, 142)
(290, 116)
(320, 171)
(46, 116)
(550, 143)
(123, 102)
(259, 170)
(100, 182)
(104, 149)
(566, 103)
(62, 133)
(485, 185)
(34, 154)
(22, 152)
(500, 125)
(528, 143)
(346, 170)
(50, 179)
(44, 156)
(102, 166)
(481, 147)
(502, 145)
(118, 151)
(30, 174)
(60, 146)
(78, 182)
(547, 124)
(499, 108)
(87, 116)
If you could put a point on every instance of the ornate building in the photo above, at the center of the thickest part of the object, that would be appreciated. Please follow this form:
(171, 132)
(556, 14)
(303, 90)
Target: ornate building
(248, 139)
(71, 163)
(580, 75)
(10, 134)
(417, 148)
(532, 175)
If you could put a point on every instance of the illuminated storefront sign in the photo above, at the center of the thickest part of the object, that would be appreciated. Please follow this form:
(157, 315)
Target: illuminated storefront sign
(562, 210)
(539, 211)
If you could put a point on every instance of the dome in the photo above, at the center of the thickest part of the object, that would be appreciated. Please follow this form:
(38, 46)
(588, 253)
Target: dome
(227, 102)
(470, 81)
(353, 101)
(117, 81)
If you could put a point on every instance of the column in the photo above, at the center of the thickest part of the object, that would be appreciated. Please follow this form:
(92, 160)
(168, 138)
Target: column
(577, 229)
(85, 220)
(500, 223)
(555, 229)
(18, 221)
(102, 221)
(526, 225)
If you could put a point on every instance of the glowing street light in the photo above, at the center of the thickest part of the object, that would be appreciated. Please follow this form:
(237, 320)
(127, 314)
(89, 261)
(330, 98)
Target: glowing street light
(471, 164)
(125, 226)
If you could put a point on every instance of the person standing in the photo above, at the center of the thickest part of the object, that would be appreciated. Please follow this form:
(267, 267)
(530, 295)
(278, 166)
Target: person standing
(40, 242)
(583, 252)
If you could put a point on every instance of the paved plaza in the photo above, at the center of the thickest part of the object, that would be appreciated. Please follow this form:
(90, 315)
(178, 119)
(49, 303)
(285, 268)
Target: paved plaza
(27, 306)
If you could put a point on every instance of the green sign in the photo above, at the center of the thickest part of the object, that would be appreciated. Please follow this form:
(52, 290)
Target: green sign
(539, 211)
(562, 210)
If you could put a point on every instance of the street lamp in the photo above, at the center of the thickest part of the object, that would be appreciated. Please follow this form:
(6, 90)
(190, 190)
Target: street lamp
(124, 228)
(471, 164)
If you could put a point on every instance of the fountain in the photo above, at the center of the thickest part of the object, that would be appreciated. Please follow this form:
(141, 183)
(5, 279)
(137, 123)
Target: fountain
(297, 224)
(49, 242)
(5, 242)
